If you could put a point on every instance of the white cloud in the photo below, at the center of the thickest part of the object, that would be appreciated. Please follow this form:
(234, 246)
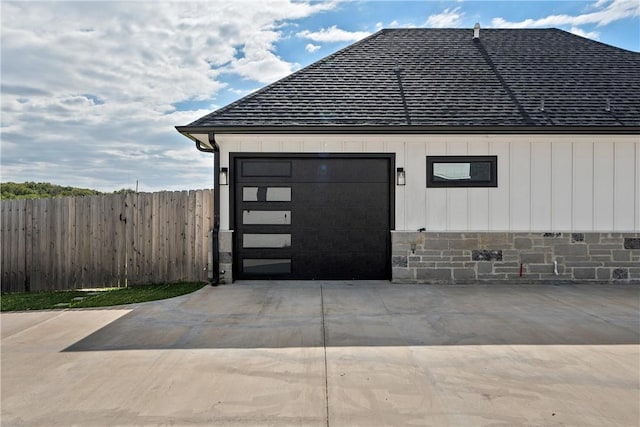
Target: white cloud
(595, 35)
(88, 89)
(448, 18)
(240, 92)
(311, 47)
(397, 24)
(612, 11)
(333, 34)
(599, 3)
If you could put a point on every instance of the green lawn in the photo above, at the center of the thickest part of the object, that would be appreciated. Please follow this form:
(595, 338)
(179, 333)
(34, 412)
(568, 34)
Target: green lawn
(101, 298)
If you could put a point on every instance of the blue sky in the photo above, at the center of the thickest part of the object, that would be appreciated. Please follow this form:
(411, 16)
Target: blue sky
(91, 90)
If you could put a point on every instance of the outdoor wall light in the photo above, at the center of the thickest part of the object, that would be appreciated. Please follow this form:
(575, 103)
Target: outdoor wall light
(224, 176)
(401, 178)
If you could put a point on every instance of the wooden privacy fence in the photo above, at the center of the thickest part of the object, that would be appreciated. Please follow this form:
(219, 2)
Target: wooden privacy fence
(105, 241)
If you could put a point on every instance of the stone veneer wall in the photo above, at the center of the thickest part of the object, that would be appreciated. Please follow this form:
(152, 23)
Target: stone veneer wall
(225, 242)
(432, 257)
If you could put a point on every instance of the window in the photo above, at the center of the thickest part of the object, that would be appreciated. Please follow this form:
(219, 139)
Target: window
(462, 171)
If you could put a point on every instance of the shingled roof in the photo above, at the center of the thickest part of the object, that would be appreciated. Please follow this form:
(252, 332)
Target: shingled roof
(444, 78)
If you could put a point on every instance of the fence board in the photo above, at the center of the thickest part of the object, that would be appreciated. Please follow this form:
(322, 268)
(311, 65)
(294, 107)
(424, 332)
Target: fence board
(15, 223)
(207, 226)
(170, 238)
(173, 241)
(28, 240)
(120, 206)
(4, 268)
(184, 206)
(146, 223)
(140, 236)
(82, 237)
(199, 231)
(106, 261)
(43, 244)
(111, 273)
(59, 243)
(125, 246)
(51, 265)
(6, 242)
(47, 229)
(190, 233)
(11, 253)
(69, 241)
(35, 273)
(179, 233)
(18, 243)
(11, 237)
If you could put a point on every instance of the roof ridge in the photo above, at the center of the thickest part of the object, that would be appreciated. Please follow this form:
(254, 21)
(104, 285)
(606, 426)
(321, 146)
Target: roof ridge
(588, 40)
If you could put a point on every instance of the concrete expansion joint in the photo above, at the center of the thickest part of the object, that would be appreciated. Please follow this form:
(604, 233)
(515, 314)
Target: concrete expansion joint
(324, 347)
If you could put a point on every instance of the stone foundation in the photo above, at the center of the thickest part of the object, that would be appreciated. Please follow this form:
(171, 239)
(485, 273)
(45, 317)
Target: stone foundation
(432, 257)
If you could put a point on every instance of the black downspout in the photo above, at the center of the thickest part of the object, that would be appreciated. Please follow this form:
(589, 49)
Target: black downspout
(215, 249)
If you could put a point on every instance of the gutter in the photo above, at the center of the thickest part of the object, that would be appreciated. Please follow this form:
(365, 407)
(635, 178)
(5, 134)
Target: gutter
(215, 232)
(402, 129)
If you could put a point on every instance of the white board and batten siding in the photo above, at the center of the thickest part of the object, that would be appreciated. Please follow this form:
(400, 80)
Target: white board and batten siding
(546, 183)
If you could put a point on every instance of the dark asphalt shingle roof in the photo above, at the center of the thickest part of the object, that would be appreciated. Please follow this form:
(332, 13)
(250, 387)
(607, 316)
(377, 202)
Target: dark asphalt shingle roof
(442, 77)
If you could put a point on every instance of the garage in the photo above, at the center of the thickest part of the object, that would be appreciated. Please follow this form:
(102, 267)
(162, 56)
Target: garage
(312, 216)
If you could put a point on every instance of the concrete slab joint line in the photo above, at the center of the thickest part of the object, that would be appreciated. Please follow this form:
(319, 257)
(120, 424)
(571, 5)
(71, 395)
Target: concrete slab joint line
(324, 345)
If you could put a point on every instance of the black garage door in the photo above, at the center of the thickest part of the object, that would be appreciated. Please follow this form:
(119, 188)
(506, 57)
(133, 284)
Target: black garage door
(312, 217)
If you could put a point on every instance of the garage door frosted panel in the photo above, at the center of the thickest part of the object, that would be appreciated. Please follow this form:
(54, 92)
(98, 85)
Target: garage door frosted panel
(266, 217)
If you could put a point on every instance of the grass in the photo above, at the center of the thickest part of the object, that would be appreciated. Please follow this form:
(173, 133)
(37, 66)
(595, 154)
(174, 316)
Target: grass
(97, 298)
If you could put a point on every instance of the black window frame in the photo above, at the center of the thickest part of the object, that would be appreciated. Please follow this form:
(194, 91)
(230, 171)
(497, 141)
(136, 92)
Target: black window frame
(493, 182)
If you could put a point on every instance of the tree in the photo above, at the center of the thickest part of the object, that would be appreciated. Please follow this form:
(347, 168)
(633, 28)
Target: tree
(38, 190)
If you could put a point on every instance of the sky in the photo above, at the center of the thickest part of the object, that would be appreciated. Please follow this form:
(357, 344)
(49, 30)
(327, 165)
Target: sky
(91, 91)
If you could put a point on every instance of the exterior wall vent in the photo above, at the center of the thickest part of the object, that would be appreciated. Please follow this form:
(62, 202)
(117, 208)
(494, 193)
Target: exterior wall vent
(476, 31)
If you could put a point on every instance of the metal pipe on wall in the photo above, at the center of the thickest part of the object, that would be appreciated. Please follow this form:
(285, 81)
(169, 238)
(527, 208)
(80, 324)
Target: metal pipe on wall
(215, 232)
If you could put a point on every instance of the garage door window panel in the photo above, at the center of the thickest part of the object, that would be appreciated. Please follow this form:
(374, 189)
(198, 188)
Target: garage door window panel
(264, 240)
(266, 266)
(250, 217)
(266, 169)
(266, 194)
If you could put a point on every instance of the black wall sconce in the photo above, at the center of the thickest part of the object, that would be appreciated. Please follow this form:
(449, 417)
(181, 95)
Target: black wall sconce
(224, 176)
(401, 178)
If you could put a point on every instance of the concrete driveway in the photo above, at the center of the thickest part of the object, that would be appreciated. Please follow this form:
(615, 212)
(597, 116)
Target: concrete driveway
(332, 354)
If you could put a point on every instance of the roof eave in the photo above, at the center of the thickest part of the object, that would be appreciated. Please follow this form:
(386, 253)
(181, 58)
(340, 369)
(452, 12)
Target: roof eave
(409, 129)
